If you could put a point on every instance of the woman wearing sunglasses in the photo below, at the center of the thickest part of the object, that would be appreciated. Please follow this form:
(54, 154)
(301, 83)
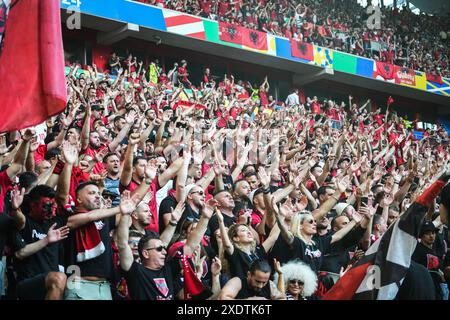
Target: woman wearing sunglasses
(304, 242)
(240, 246)
(300, 282)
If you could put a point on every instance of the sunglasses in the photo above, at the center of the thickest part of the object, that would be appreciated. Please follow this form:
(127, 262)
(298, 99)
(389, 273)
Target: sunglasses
(295, 281)
(159, 249)
(199, 192)
(311, 221)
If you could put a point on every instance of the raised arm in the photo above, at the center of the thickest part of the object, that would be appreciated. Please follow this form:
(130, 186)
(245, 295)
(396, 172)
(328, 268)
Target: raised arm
(195, 237)
(85, 132)
(123, 133)
(175, 216)
(170, 172)
(127, 169)
(226, 242)
(81, 219)
(127, 206)
(51, 237)
(341, 186)
(70, 156)
(21, 155)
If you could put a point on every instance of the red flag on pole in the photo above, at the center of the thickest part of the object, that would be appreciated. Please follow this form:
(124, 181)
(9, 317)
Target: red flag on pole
(390, 101)
(32, 82)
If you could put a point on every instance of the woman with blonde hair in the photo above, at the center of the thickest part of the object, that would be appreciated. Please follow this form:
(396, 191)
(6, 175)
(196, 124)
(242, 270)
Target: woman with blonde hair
(241, 248)
(300, 282)
(306, 244)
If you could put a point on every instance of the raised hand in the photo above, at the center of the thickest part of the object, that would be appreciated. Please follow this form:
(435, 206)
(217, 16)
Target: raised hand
(176, 213)
(263, 177)
(150, 171)
(3, 148)
(277, 266)
(127, 205)
(387, 200)
(69, 153)
(219, 216)
(134, 139)
(34, 145)
(343, 184)
(101, 154)
(209, 208)
(17, 198)
(55, 235)
(29, 134)
(216, 266)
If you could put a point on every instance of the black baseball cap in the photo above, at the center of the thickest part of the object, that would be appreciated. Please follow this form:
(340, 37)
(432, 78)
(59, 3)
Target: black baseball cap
(426, 227)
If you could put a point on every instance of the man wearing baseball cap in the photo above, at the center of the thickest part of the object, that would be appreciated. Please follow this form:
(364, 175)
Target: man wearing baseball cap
(425, 255)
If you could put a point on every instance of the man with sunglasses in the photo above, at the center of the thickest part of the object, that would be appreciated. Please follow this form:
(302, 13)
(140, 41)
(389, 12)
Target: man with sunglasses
(195, 200)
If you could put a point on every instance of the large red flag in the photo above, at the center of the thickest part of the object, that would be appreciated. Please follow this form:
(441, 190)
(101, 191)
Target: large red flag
(434, 78)
(32, 82)
(254, 39)
(302, 50)
(384, 70)
(229, 32)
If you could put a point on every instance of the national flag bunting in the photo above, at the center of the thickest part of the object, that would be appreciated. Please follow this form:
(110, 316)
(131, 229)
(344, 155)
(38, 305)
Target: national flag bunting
(384, 71)
(434, 78)
(184, 24)
(302, 50)
(31, 37)
(229, 32)
(388, 260)
(254, 39)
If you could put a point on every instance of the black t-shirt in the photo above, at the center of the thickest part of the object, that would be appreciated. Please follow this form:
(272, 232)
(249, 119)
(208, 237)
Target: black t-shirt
(428, 258)
(312, 254)
(188, 214)
(240, 262)
(213, 225)
(339, 255)
(101, 266)
(146, 284)
(281, 251)
(8, 234)
(46, 259)
(165, 207)
(247, 292)
(418, 284)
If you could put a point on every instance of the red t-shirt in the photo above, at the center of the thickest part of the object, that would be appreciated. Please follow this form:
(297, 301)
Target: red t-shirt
(99, 166)
(40, 153)
(5, 186)
(154, 187)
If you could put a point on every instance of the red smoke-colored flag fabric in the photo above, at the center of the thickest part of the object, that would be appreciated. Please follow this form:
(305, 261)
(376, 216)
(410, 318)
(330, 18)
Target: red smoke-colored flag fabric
(385, 70)
(229, 32)
(390, 101)
(32, 82)
(302, 50)
(404, 76)
(254, 39)
(193, 287)
(434, 78)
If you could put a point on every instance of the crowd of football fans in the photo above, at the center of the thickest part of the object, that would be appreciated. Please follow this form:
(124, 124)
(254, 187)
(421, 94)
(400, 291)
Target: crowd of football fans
(154, 186)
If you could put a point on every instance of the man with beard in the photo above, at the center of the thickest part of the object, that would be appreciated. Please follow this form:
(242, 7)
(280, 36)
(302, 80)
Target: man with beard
(37, 262)
(141, 176)
(141, 218)
(195, 200)
(241, 192)
(112, 180)
(89, 245)
(256, 286)
(91, 144)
